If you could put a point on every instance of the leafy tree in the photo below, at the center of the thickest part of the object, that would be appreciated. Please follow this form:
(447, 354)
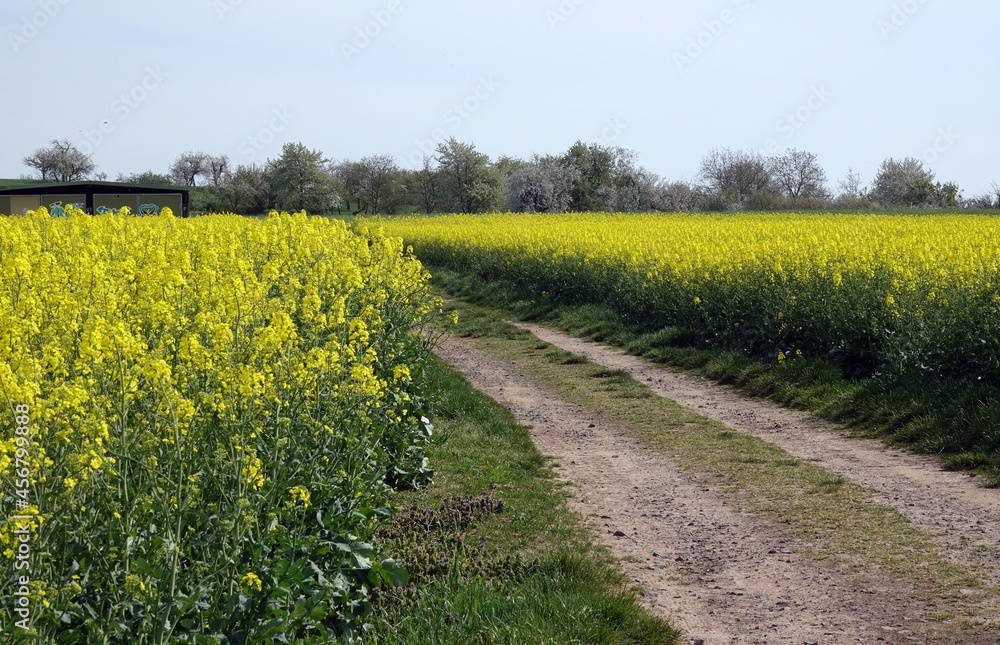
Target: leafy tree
(350, 175)
(909, 183)
(425, 184)
(919, 192)
(894, 178)
(299, 182)
(544, 186)
(246, 190)
(468, 183)
(507, 166)
(378, 180)
(597, 166)
(396, 198)
(765, 199)
(636, 190)
(609, 179)
(947, 195)
(62, 162)
(798, 174)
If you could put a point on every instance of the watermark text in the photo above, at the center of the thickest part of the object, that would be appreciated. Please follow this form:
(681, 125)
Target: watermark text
(33, 25)
(22, 532)
(122, 108)
(366, 34)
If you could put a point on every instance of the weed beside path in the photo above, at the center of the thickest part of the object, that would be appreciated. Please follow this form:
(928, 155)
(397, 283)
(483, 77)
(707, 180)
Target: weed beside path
(883, 568)
(494, 554)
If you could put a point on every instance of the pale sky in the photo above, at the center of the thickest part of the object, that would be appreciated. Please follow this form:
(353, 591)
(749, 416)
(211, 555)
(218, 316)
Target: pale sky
(853, 81)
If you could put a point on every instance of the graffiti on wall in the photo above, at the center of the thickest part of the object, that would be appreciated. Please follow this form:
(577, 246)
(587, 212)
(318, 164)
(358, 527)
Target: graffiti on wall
(144, 209)
(56, 209)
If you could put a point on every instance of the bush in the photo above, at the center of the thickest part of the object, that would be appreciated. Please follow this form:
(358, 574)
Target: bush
(764, 200)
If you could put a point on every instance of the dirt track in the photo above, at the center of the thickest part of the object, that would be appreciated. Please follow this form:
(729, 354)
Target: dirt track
(725, 576)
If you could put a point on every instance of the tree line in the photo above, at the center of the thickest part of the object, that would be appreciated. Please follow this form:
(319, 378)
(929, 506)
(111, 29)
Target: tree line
(459, 178)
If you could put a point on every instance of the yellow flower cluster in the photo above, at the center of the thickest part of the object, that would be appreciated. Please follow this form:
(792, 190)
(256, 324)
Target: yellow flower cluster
(911, 291)
(251, 581)
(299, 494)
(135, 586)
(138, 342)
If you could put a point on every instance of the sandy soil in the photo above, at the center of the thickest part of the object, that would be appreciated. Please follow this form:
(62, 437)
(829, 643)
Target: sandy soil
(721, 575)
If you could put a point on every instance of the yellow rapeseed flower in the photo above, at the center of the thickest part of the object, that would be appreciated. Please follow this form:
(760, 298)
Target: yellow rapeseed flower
(300, 494)
(250, 581)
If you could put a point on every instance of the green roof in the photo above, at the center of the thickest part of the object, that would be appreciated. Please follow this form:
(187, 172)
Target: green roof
(17, 183)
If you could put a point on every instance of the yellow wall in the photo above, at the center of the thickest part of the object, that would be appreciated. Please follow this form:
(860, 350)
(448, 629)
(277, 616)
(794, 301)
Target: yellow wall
(17, 204)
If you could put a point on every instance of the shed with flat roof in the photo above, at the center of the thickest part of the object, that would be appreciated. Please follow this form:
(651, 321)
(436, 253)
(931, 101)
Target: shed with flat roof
(19, 197)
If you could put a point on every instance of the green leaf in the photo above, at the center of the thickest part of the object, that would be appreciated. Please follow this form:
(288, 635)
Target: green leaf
(393, 573)
(320, 578)
(319, 612)
(272, 628)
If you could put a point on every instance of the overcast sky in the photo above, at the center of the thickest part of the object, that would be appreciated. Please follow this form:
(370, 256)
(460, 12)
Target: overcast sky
(853, 81)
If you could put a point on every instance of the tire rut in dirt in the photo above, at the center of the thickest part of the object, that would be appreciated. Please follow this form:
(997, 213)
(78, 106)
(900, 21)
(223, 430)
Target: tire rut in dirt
(721, 575)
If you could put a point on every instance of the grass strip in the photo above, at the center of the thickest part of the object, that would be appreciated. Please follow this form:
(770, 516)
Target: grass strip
(493, 553)
(821, 514)
(924, 414)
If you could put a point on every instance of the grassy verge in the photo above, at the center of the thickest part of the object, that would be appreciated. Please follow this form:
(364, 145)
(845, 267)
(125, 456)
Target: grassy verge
(816, 512)
(926, 415)
(494, 555)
